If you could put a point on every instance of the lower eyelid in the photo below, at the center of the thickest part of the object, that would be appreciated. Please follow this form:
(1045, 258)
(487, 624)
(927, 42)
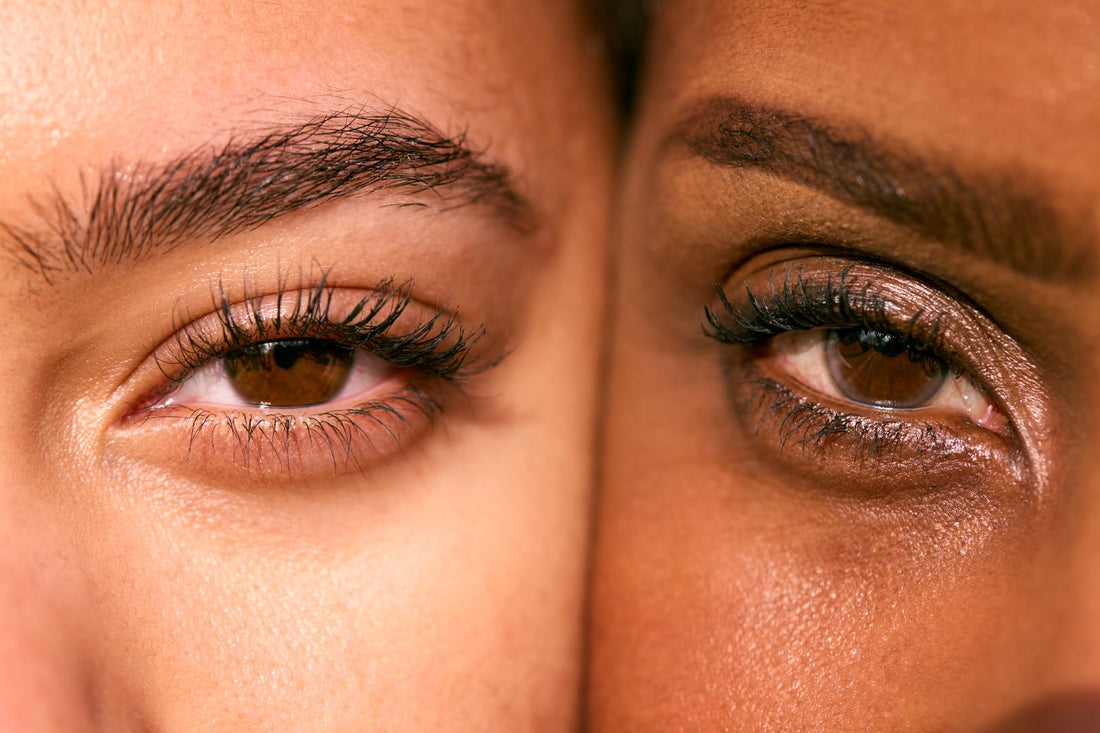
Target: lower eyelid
(866, 456)
(259, 447)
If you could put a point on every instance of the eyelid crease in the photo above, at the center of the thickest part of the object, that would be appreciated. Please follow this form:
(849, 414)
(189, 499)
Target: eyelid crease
(798, 306)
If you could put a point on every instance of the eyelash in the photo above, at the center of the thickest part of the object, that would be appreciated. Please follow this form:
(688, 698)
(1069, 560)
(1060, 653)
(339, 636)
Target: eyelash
(425, 348)
(838, 303)
(436, 353)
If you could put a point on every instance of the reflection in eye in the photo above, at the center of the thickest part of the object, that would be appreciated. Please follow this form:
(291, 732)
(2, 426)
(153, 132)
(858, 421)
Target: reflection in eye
(290, 373)
(855, 358)
(881, 369)
(308, 376)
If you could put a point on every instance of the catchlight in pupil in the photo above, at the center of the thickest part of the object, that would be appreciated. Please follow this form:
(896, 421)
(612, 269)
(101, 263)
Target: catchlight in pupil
(881, 369)
(289, 373)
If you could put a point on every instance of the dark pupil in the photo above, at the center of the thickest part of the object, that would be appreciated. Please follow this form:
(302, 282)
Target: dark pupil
(882, 369)
(290, 373)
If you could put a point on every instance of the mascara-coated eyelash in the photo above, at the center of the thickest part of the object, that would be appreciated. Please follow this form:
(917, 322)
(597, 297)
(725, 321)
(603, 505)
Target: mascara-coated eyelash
(838, 303)
(923, 367)
(293, 381)
(439, 345)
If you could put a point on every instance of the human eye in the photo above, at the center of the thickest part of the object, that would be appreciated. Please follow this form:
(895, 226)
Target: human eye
(306, 380)
(852, 371)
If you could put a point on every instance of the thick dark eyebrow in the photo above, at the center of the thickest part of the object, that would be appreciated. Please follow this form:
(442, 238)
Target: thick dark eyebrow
(131, 212)
(1000, 216)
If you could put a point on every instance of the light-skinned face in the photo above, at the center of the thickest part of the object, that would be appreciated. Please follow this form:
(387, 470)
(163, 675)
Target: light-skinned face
(302, 309)
(850, 480)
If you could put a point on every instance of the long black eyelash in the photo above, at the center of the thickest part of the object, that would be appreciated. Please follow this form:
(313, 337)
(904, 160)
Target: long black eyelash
(438, 346)
(792, 304)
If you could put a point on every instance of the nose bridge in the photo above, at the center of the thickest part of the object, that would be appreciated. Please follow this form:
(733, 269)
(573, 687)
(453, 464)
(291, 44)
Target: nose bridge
(42, 681)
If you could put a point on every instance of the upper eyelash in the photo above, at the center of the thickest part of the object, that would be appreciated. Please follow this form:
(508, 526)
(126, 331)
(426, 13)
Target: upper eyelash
(837, 303)
(439, 346)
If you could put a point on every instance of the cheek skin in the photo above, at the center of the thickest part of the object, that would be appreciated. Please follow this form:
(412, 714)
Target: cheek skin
(743, 603)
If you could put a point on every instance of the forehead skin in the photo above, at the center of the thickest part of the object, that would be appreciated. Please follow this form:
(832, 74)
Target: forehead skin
(973, 79)
(442, 590)
(108, 72)
(721, 602)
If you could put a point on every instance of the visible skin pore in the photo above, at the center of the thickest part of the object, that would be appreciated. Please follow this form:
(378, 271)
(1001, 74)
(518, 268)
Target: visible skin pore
(746, 583)
(436, 587)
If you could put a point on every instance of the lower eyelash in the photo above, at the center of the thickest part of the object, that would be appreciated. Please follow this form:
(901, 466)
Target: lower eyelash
(257, 440)
(810, 424)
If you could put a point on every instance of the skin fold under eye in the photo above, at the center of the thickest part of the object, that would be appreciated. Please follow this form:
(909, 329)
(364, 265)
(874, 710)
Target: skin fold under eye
(849, 371)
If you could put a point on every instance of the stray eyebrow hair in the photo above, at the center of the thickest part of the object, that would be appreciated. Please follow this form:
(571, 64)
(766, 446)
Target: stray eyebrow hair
(246, 182)
(1002, 217)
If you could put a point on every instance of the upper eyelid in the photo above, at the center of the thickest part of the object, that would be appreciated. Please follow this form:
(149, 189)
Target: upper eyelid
(925, 318)
(921, 278)
(791, 249)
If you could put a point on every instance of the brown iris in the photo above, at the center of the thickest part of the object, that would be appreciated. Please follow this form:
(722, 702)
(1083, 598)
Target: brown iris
(882, 369)
(290, 373)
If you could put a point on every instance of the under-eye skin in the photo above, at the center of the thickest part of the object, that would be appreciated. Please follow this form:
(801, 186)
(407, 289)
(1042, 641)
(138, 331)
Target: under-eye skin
(306, 381)
(848, 371)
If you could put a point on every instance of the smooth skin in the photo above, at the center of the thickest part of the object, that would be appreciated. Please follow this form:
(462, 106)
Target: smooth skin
(746, 582)
(437, 585)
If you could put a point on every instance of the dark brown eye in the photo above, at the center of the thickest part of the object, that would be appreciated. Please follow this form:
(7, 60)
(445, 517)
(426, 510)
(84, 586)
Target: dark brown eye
(290, 373)
(882, 369)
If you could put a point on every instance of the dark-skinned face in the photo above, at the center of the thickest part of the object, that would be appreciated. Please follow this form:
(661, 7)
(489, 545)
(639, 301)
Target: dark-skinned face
(849, 477)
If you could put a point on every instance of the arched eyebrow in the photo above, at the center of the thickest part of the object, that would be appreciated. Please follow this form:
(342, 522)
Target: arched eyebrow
(1001, 216)
(131, 212)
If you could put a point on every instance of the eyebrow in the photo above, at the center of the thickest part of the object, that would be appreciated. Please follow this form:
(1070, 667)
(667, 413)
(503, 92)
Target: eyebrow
(132, 212)
(999, 216)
